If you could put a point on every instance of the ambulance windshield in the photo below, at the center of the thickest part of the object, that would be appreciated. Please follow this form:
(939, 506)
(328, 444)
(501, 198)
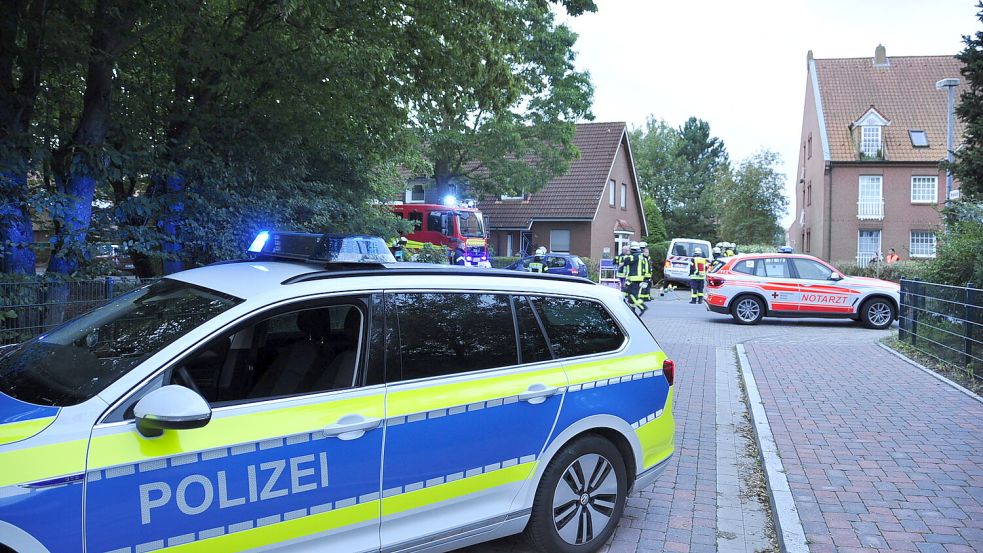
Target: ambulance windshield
(76, 361)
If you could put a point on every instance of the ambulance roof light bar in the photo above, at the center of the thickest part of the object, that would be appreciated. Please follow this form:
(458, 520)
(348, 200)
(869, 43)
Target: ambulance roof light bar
(323, 248)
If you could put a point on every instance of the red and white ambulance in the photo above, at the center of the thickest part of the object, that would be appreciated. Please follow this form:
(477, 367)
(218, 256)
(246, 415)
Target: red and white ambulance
(753, 286)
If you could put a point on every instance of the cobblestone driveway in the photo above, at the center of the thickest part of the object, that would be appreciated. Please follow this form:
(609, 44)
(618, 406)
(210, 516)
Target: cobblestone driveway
(879, 455)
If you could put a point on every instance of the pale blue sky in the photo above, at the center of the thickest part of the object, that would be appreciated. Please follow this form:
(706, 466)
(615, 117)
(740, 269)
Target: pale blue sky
(741, 65)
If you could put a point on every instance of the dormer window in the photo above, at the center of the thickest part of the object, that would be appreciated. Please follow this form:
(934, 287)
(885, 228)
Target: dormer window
(871, 125)
(870, 140)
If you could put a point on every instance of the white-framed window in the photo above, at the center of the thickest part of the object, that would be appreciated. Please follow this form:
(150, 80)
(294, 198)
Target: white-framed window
(868, 245)
(560, 241)
(922, 243)
(624, 196)
(415, 194)
(870, 140)
(611, 189)
(924, 190)
(520, 196)
(870, 203)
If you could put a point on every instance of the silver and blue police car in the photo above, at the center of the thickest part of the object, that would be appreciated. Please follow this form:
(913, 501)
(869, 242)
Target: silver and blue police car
(318, 397)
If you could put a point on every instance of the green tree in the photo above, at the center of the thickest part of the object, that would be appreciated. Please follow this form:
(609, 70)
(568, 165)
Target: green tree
(679, 169)
(498, 93)
(968, 165)
(653, 217)
(752, 200)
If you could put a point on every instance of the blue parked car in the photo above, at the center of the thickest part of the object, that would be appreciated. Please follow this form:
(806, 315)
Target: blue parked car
(556, 263)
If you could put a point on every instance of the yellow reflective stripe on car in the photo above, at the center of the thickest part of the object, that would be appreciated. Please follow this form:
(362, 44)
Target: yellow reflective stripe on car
(124, 448)
(42, 462)
(442, 396)
(657, 437)
(458, 488)
(17, 431)
(284, 531)
(610, 368)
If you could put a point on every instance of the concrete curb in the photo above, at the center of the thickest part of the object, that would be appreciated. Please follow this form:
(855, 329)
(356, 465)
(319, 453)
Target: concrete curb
(791, 535)
(932, 373)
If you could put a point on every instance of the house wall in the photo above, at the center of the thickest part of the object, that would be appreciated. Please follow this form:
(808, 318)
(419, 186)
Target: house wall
(607, 216)
(808, 232)
(900, 215)
(580, 232)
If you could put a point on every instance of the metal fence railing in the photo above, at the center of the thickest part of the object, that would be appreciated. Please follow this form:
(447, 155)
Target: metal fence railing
(31, 307)
(944, 322)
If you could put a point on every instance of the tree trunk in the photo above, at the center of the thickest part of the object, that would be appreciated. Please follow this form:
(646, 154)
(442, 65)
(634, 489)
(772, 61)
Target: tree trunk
(17, 100)
(87, 166)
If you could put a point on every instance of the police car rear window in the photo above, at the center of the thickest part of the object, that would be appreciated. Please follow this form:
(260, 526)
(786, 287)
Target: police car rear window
(76, 361)
(578, 327)
(448, 333)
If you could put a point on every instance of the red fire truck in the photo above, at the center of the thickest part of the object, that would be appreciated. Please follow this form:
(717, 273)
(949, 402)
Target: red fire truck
(441, 225)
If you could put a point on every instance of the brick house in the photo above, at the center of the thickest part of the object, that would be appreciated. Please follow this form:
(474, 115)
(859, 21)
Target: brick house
(873, 134)
(590, 211)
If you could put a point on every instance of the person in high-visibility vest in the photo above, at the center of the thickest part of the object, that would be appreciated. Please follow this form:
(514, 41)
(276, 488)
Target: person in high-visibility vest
(645, 293)
(620, 262)
(731, 250)
(538, 264)
(637, 267)
(697, 272)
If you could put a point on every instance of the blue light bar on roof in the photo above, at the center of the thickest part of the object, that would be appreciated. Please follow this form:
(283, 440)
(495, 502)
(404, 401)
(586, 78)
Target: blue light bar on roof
(259, 242)
(327, 248)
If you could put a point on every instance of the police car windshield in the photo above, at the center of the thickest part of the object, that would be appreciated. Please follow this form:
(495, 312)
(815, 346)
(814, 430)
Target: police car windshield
(79, 359)
(470, 224)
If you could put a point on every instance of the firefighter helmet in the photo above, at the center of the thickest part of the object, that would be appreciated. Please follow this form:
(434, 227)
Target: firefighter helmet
(635, 246)
(541, 250)
(698, 251)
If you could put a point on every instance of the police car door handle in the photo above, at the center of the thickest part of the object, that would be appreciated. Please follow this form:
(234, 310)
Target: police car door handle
(537, 393)
(350, 427)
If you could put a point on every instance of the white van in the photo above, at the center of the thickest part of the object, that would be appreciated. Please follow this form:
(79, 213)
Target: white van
(681, 251)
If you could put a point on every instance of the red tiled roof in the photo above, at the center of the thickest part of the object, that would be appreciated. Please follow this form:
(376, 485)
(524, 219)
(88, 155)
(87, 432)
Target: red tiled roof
(903, 92)
(573, 195)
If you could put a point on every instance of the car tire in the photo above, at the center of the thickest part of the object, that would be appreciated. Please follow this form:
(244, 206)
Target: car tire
(877, 313)
(585, 485)
(747, 310)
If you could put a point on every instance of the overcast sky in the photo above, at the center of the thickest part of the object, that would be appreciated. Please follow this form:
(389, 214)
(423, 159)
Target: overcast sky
(741, 65)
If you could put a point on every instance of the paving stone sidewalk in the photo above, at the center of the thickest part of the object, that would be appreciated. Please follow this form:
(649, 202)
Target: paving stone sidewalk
(878, 454)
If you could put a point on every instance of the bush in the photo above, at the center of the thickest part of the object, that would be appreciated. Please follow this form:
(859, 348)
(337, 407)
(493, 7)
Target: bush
(757, 248)
(911, 270)
(960, 255)
(438, 255)
(502, 261)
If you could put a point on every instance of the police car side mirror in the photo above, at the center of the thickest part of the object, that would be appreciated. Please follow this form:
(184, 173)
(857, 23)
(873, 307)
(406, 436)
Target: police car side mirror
(171, 407)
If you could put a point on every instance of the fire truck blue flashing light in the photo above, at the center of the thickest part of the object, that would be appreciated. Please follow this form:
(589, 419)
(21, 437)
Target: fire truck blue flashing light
(450, 200)
(259, 242)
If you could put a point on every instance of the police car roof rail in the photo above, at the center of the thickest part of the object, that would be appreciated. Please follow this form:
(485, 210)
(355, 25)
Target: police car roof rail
(408, 269)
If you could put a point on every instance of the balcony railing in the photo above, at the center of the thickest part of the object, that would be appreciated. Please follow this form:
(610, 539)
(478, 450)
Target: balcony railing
(870, 209)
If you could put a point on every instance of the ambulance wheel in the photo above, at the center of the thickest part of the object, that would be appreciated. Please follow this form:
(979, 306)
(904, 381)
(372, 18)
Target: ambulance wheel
(748, 310)
(580, 498)
(877, 313)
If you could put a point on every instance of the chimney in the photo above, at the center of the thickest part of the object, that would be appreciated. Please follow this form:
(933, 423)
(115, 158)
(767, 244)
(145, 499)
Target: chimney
(880, 56)
(809, 58)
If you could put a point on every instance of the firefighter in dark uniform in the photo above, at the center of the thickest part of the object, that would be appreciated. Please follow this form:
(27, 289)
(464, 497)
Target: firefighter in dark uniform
(622, 263)
(399, 248)
(646, 291)
(697, 273)
(636, 268)
(537, 264)
(458, 256)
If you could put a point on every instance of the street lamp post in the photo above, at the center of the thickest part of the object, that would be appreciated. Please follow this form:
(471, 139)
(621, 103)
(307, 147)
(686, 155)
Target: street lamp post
(949, 84)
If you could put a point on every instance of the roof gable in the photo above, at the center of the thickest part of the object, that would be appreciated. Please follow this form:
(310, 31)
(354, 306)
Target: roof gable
(574, 194)
(871, 117)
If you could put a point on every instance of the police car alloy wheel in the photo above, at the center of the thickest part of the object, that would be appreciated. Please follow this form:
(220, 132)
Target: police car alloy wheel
(877, 313)
(748, 310)
(580, 498)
